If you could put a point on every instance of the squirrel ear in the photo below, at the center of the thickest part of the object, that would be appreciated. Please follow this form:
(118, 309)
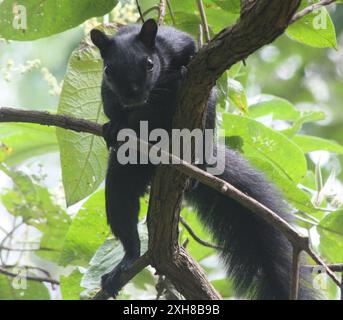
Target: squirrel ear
(101, 40)
(148, 33)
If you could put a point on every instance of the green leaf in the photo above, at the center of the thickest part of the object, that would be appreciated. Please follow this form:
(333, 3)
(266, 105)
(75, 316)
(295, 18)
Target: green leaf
(260, 141)
(34, 290)
(310, 143)
(280, 109)
(330, 230)
(45, 18)
(83, 155)
(315, 29)
(306, 116)
(70, 286)
(296, 197)
(26, 141)
(217, 18)
(87, 232)
(187, 17)
(233, 6)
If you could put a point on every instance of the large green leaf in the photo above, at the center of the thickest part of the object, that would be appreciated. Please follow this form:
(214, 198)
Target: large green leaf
(281, 109)
(45, 18)
(83, 155)
(86, 233)
(295, 196)
(187, 17)
(260, 141)
(233, 6)
(26, 141)
(315, 29)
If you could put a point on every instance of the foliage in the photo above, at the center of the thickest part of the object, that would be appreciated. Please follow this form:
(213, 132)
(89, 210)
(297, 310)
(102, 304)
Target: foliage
(267, 124)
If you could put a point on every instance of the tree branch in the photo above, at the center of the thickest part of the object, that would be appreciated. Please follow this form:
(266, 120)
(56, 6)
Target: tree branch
(260, 23)
(138, 5)
(196, 238)
(5, 248)
(66, 122)
(49, 119)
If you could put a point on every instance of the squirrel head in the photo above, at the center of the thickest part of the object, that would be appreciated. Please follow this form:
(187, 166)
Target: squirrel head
(131, 63)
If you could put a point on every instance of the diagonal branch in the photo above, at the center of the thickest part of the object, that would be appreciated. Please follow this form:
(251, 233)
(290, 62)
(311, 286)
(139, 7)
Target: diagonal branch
(296, 238)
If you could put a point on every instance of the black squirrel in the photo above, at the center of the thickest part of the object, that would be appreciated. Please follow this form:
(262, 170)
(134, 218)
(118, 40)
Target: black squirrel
(142, 71)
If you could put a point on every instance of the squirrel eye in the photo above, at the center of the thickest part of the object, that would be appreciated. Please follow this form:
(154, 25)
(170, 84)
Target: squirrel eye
(149, 64)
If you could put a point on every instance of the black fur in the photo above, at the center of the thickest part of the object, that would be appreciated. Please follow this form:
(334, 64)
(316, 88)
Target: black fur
(257, 256)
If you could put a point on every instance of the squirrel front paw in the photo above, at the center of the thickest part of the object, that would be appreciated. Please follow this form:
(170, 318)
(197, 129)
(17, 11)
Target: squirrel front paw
(110, 282)
(110, 132)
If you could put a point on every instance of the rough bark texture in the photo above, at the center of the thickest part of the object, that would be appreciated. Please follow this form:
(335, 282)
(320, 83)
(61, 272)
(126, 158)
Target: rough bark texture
(261, 22)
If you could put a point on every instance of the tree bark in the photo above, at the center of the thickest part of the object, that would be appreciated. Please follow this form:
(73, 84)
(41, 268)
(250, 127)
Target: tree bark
(260, 23)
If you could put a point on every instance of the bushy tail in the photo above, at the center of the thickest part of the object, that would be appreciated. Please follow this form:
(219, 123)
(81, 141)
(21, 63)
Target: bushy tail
(257, 256)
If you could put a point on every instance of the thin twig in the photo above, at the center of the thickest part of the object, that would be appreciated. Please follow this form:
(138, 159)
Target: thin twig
(295, 273)
(3, 230)
(25, 249)
(154, 8)
(171, 12)
(337, 267)
(140, 10)
(33, 278)
(196, 238)
(29, 268)
(162, 12)
(9, 234)
(200, 36)
(310, 9)
(321, 262)
(341, 287)
(204, 20)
